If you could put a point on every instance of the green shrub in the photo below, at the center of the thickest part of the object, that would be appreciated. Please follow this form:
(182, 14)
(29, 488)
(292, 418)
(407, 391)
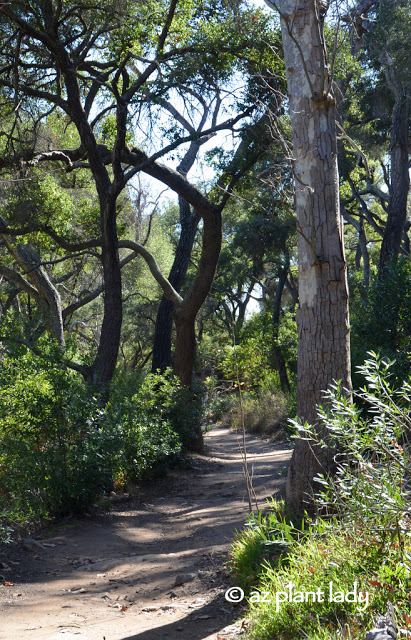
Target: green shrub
(370, 490)
(59, 449)
(265, 538)
(362, 534)
(159, 397)
(143, 427)
(288, 341)
(313, 564)
(270, 553)
(52, 459)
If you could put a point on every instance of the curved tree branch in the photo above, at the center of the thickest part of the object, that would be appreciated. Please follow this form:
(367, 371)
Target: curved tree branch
(169, 291)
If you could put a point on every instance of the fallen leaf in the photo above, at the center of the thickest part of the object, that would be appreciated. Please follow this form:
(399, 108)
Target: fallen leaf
(407, 619)
(8, 584)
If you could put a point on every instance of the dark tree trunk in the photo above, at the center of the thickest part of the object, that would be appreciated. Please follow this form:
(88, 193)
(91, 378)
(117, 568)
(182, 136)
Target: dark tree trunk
(362, 242)
(362, 250)
(242, 308)
(184, 357)
(185, 316)
(185, 351)
(162, 337)
(189, 220)
(405, 238)
(100, 373)
(399, 184)
(161, 357)
(102, 370)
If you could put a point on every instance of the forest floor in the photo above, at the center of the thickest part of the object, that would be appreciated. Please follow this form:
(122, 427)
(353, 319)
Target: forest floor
(151, 568)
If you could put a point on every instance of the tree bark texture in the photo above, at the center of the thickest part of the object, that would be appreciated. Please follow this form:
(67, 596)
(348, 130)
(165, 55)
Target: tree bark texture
(277, 356)
(399, 183)
(322, 315)
(185, 315)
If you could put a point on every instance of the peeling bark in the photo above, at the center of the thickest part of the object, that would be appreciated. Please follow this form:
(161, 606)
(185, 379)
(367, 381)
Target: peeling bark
(322, 315)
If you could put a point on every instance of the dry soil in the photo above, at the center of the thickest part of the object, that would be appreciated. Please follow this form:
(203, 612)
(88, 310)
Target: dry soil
(153, 567)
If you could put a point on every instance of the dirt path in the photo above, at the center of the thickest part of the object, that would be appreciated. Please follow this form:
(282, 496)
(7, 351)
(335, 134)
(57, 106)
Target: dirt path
(116, 577)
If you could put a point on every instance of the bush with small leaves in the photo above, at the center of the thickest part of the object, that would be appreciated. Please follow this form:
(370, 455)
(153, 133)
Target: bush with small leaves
(370, 491)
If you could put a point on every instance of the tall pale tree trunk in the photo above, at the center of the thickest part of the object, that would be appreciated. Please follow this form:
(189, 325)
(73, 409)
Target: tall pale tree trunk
(322, 315)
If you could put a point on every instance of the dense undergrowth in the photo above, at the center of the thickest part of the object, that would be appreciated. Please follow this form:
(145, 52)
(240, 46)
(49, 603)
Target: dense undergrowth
(60, 449)
(358, 547)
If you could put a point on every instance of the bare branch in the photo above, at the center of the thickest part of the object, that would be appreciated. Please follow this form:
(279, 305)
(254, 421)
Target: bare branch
(168, 290)
(17, 279)
(167, 25)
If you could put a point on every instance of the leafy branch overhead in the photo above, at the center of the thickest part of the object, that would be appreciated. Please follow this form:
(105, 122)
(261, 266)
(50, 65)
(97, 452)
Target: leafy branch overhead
(111, 79)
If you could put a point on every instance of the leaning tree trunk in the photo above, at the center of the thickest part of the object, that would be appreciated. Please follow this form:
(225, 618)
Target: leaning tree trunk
(322, 315)
(399, 184)
(164, 321)
(185, 315)
(49, 298)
